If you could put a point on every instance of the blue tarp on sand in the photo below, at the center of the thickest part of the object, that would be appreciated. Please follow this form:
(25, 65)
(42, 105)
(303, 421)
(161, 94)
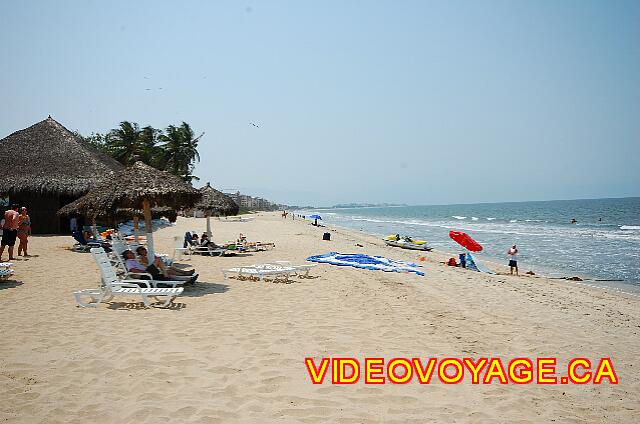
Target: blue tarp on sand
(359, 260)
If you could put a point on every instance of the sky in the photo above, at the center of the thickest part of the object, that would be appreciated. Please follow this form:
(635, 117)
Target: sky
(416, 102)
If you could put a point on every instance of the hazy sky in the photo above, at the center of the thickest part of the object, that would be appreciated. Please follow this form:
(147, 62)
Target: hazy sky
(357, 101)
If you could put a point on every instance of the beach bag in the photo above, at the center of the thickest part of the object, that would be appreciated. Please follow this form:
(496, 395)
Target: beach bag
(452, 262)
(326, 236)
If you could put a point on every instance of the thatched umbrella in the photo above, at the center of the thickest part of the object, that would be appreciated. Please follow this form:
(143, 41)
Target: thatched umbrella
(215, 203)
(46, 165)
(121, 214)
(138, 186)
(47, 157)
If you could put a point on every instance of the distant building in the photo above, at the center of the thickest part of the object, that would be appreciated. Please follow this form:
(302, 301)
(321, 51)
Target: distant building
(253, 203)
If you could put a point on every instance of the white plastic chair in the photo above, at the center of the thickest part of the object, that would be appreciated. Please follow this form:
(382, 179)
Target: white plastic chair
(260, 271)
(179, 250)
(5, 270)
(112, 286)
(299, 268)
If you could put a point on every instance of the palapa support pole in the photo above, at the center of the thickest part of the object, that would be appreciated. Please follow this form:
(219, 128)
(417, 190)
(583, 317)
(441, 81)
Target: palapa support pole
(135, 227)
(208, 215)
(146, 207)
(94, 230)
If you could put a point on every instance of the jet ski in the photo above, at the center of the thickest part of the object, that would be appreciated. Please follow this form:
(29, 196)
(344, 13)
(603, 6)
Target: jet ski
(406, 242)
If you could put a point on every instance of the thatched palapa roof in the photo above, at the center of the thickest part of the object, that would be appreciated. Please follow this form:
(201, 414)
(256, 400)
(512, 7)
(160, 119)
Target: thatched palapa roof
(75, 208)
(48, 158)
(129, 187)
(216, 202)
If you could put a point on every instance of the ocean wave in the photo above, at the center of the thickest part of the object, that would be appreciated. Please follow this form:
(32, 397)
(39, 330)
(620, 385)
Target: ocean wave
(459, 217)
(490, 219)
(630, 227)
(512, 228)
(474, 218)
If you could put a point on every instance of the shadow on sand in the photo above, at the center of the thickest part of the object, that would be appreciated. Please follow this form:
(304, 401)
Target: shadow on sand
(9, 284)
(135, 306)
(202, 288)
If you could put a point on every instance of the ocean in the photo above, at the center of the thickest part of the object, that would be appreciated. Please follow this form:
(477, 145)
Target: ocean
(603, 244)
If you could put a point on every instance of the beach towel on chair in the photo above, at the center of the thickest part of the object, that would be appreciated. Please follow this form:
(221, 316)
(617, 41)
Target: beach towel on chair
(359, 260)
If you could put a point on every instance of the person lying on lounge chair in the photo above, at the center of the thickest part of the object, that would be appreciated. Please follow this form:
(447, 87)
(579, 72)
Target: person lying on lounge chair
(154, 269)
(169, 271)
(209, 244)
(205, 242)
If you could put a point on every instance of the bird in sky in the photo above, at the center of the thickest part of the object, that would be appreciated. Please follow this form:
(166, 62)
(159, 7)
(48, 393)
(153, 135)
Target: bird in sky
(255, 125)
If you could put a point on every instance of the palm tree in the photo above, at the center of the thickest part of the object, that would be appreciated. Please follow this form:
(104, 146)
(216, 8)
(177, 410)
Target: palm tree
(180, 148)
(150, 152)
(125, 143)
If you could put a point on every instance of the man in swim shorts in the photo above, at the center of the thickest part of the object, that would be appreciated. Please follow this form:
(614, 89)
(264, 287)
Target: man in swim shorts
(513, 259)
(10, 230)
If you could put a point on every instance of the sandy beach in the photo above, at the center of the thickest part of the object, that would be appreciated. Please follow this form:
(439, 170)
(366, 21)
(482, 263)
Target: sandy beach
(233, 351)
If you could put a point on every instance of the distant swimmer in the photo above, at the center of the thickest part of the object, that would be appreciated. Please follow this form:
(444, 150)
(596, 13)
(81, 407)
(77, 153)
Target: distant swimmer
(599, 219)
(573, 221)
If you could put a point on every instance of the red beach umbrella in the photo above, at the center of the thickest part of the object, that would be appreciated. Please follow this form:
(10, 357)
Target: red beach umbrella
(465, 240)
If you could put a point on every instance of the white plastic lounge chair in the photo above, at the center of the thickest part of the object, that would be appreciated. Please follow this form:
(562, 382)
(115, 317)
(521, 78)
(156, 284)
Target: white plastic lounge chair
(118, 249)
(112, 286)
(5, 270)
(206, 250)
(179, 250)
(117, 263)
(260, 271)
(264, 246)
(6, 273)
(81, 244)
(254, 246)
(299, 268)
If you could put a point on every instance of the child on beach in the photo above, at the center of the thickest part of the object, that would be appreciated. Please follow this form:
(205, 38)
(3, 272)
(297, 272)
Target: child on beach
(513, 259)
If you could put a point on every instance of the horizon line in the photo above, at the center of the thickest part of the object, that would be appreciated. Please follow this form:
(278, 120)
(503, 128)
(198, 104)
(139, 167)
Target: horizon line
(476, 203)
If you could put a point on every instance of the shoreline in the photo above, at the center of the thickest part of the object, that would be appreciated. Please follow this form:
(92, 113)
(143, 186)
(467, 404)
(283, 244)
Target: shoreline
(624, 286)
(500, 269)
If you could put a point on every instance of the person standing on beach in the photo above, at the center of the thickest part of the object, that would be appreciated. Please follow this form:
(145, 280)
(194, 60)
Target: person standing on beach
(513, 259)
(10, 230)
(24, 231)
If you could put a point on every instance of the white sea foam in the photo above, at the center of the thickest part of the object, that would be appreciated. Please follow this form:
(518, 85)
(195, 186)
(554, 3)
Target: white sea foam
(599, 249)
